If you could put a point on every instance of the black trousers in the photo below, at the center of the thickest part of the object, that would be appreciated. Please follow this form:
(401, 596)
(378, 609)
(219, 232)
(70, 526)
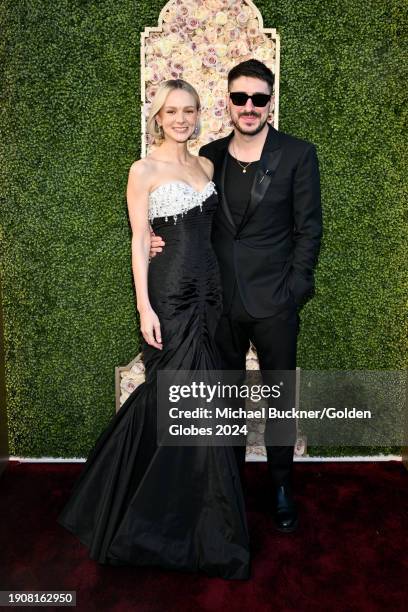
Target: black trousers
(275, 340)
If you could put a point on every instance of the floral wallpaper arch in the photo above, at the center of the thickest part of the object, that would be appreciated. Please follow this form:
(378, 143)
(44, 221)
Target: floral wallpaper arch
(200, 41)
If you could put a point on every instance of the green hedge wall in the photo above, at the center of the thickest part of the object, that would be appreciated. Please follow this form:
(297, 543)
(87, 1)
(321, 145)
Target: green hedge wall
(70, 130)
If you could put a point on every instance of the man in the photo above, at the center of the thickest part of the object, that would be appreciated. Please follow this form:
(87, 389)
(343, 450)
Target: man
(266, 234)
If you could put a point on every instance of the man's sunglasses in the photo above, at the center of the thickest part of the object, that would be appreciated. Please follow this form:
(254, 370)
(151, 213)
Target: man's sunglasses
(240, 98)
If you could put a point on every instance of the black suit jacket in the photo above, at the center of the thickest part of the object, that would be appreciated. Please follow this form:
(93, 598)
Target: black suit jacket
(273, 253)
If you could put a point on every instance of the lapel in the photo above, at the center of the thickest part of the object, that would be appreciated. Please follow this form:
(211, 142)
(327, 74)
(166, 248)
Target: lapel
(224, 203)
(270, 158)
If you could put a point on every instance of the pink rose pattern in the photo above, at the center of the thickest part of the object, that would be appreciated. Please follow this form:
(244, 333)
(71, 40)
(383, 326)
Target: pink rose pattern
(200, 41)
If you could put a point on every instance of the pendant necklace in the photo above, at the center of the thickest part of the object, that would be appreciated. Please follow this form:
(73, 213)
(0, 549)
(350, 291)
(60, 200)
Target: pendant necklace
(243, 166)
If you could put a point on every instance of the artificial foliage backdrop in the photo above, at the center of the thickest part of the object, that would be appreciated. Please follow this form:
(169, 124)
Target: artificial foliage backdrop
(70, 126)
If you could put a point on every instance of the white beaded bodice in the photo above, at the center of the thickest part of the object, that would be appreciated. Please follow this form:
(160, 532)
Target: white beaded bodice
(176, 198)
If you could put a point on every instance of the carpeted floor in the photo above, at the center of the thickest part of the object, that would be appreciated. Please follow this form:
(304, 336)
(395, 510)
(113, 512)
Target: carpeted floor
(349, 553)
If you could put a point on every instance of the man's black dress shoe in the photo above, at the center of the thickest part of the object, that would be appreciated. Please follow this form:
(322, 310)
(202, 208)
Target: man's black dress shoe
(285, 514)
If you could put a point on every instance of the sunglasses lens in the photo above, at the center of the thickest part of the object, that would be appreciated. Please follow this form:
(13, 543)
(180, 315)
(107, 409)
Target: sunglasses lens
(260, 99)
(238, 98)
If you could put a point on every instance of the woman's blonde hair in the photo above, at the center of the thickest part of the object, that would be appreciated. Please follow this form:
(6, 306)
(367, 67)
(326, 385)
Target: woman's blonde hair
(158, 101)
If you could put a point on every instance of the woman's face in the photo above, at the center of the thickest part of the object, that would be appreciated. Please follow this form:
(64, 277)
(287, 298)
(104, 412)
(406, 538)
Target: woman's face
(178, 116)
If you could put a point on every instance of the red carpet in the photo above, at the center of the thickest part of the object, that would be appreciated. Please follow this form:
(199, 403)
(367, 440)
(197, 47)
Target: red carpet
(349, 553)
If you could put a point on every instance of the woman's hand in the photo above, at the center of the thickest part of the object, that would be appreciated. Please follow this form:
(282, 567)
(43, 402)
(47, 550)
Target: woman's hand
(150, 327)
(156, 244)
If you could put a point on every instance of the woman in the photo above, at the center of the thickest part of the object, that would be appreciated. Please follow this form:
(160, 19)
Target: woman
(137, 503)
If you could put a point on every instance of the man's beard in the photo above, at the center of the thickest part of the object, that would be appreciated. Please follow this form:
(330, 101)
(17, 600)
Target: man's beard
(249, 132)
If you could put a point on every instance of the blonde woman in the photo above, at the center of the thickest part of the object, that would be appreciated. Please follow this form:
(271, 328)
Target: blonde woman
(137, 502)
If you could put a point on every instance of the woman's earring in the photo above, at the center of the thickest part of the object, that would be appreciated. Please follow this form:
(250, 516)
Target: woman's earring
(160, 130)
(194, 134)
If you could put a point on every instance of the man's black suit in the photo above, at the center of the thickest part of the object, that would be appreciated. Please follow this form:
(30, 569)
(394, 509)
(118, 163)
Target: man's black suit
(274, 252)
(267, 263)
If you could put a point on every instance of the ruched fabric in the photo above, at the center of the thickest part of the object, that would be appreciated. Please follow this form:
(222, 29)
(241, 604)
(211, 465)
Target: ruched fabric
(180, 508)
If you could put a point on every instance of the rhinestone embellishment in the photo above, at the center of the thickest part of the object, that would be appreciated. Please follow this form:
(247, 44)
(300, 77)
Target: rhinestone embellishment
(177, 198)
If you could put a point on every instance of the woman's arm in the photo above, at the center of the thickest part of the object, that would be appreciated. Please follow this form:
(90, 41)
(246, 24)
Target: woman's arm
(137, 195)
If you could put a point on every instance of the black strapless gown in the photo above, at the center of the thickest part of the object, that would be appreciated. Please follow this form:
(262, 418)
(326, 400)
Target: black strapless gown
(180, 508)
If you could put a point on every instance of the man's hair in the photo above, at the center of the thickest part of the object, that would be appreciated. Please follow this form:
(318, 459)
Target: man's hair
(252, 68)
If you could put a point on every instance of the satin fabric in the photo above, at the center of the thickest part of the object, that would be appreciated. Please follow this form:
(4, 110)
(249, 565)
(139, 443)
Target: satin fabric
(182, 508)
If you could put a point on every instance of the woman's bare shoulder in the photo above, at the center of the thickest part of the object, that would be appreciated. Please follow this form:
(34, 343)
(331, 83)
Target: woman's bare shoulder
(206, 165)
(142, 173)
(141, 167)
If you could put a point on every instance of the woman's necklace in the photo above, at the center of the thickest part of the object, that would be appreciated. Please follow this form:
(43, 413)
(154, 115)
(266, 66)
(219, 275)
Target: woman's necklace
(243, 166)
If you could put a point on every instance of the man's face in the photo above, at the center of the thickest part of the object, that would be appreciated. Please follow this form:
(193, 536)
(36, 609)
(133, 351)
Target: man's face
(249, 119)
